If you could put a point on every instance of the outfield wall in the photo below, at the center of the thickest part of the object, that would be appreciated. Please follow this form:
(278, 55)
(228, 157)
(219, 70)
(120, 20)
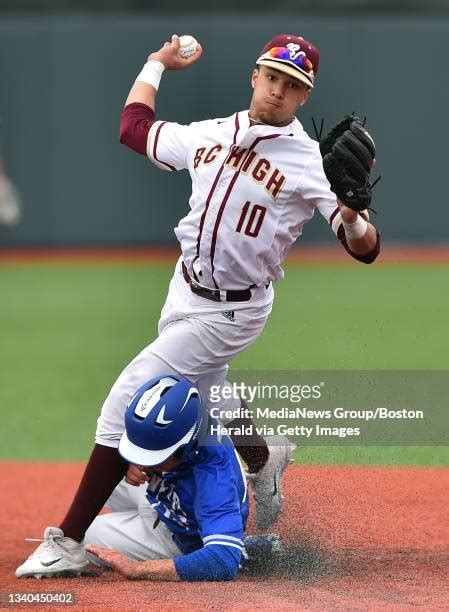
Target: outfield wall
(63, 82)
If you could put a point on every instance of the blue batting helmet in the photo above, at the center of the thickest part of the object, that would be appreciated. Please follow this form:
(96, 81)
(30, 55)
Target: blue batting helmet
(165, 414)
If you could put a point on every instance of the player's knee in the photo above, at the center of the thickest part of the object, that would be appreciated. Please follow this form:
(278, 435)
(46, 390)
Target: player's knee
(102, 532)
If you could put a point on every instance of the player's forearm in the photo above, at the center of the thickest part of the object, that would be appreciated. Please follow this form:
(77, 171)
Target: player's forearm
(160, 569)
(138, 114)
(366, 243)
(143, 93)
(136, 122)
(359, 237)
(215, 562)
(168, 57)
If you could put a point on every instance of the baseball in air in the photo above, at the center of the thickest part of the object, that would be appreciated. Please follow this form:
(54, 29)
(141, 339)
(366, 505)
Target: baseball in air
(187, 45)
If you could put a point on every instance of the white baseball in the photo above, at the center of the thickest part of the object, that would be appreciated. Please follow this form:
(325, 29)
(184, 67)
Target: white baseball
(187, 45)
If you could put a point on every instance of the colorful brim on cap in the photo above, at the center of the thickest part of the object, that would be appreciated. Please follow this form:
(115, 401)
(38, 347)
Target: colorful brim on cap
(291, 61)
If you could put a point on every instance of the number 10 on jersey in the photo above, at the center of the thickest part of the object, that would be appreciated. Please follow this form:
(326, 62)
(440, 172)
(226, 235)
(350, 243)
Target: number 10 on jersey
(251, 224)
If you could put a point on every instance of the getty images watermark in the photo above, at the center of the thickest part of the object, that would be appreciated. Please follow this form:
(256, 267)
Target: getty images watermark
(319, 407)
(293, 393)
(260, 391)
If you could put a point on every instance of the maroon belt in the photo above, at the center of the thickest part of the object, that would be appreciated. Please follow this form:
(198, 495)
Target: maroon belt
(232, 295)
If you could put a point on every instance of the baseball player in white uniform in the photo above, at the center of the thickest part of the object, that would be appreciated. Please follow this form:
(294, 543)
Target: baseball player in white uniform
(257, 178)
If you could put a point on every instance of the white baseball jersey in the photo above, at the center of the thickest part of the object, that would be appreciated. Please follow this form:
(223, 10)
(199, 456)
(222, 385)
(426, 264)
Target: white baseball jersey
(253, 189)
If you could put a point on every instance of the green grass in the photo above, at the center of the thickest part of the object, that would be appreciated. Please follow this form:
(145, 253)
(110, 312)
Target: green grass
(356, 318)
(66, 333)
(374, 455)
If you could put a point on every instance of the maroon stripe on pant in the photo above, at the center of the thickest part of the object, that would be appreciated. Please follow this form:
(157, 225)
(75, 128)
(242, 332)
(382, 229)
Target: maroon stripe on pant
(225, 199)
(156, 138)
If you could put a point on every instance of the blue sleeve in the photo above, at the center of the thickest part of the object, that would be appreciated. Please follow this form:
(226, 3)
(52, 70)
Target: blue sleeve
(219, 484)
(213, 562)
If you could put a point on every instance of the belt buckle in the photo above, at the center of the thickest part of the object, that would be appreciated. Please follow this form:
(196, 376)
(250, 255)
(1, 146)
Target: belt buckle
(208, 294)
(194, 285)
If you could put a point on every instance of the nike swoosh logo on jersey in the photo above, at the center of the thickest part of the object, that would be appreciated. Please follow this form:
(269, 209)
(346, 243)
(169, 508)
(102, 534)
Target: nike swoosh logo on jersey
(48, 563)
(160, 420)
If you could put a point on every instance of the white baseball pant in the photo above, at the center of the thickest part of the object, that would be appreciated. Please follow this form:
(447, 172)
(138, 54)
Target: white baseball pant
(195, 341)
(131, 527)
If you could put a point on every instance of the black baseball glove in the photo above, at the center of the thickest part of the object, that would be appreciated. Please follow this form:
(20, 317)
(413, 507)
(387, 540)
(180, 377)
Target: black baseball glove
(348, 154)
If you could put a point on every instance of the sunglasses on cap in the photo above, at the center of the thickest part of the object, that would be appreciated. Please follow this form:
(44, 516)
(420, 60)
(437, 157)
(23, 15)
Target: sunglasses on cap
(292, 55)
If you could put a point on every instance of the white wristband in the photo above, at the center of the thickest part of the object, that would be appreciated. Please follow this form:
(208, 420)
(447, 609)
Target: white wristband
(151, 73)
(357, 229)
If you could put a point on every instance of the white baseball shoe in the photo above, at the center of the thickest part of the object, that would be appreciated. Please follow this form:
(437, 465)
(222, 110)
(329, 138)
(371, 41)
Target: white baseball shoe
(56, 556)
(266, 483)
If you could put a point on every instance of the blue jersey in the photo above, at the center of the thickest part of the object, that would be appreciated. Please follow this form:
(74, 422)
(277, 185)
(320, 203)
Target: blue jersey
(205, 501)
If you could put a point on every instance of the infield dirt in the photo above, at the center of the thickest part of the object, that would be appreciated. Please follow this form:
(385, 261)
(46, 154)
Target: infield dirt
(357, 538)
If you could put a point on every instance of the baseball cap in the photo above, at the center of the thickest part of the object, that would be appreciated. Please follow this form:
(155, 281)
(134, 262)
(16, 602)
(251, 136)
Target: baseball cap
(292, 55)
